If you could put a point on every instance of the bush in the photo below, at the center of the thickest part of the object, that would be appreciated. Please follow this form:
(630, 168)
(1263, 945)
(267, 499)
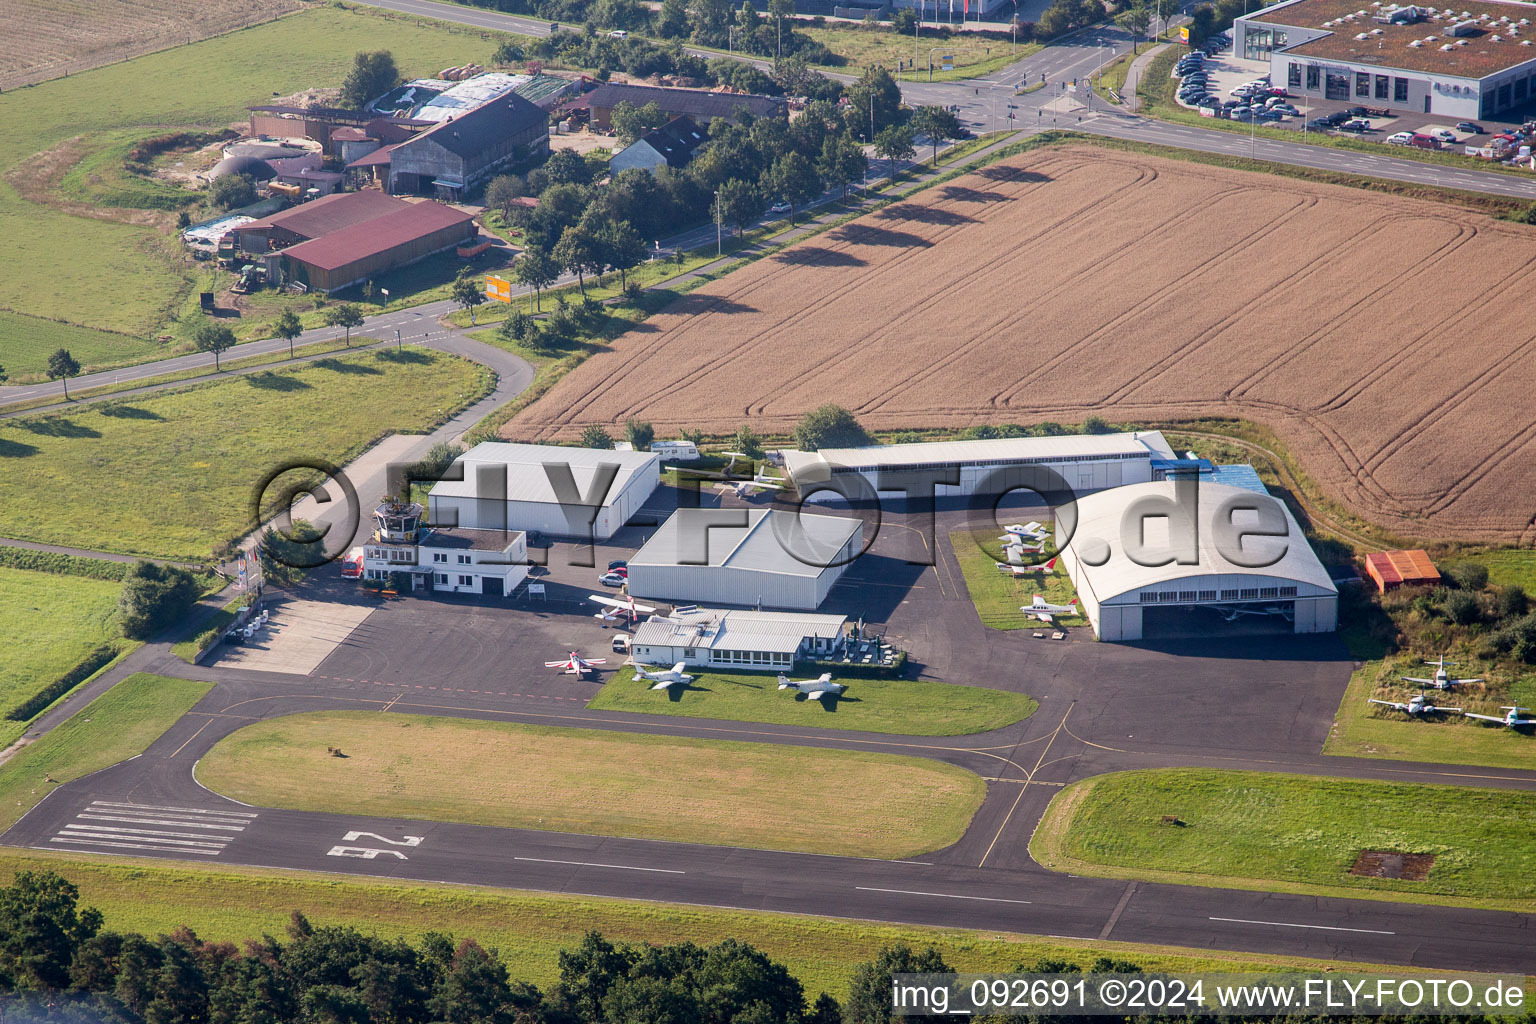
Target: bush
(153, 597)
(1097, 425)
(232, 191)
(1467, 575)
(62, 565)
(1512, 601)
(639, 434)
(1462, 608)
(830, 426)
(594, 436)
(1518, 639)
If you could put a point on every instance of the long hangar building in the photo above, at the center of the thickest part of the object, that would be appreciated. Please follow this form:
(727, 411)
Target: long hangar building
(1471, 61)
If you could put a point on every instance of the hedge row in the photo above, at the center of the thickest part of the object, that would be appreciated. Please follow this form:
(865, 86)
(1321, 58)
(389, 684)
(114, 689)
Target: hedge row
(63, 565)
(34, 705)
(190, 650)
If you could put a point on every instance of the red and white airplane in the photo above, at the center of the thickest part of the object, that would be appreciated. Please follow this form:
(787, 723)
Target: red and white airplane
(1045, 611)
(619, 608)
(1026, 570)
(576, 665)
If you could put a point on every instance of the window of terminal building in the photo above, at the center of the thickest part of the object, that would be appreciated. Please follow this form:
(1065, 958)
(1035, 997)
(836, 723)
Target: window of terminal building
(1362, 84)
(1504, 94)
(1521, 87)
(1337, 85)
(1314, 76)
(1293, 76)
(1399, 90)
(1381, 87)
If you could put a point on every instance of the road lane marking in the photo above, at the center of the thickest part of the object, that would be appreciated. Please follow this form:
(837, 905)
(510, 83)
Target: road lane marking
(941, 895)
(192, 737)
(1319, 927)
(591, 864)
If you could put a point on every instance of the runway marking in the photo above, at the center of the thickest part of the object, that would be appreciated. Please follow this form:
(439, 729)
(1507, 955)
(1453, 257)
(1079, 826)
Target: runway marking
(178, 810)
(197, 830)
(1114, 917)
(1319, 927)
(941, 895)
(191, 738)
(392, 703)
(1025, 788)
(133, 846)
(134, 831)
(591, 864)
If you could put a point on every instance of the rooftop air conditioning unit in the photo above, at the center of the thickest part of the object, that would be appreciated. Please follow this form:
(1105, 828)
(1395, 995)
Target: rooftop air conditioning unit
(1525, 42)
(1448, 46)
(1495, 39)
(1363, 36)
(1415, 44)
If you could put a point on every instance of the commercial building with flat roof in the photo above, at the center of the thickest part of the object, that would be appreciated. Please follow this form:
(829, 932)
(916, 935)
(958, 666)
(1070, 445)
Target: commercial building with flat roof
(558, 491)
(735, 638)
(1196, 572)
(1474, 60)
(1085, 462)
(753, 558)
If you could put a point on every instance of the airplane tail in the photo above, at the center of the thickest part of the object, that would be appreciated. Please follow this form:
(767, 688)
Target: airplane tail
(784, 682)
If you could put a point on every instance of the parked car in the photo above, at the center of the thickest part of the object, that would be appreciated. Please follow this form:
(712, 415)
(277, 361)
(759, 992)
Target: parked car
(1319, 124)
(1209, 101)
(618, 33)
(1355, 124)
(1470, 127)
(1288, 109)
(1359, 111)
(1270, 115)
(612, 579)
(1443, 134)
(1338, 117)
(621, 643)
(1241, 114)
(1424, 141)
(618, 563)
(1400, 139)
(779, 207)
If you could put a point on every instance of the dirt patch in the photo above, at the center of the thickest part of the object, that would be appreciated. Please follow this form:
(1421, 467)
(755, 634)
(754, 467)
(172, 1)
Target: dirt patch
(1409, 867)
(1372, 332)
(36, 180)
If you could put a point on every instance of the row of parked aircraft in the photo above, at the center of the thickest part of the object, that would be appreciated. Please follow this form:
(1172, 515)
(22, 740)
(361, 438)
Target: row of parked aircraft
(665, 678)
(1419, 705)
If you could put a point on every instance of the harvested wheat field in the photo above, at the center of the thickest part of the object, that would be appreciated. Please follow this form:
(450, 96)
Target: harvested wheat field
(1383, 338)
(49, 38)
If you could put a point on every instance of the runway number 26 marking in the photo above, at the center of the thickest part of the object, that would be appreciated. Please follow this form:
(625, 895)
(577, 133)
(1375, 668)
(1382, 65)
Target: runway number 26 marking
(368, 852)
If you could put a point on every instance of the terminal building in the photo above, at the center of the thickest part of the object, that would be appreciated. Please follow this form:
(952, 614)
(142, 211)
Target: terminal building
(1085, 462)
(443, 560)
(563, 492)
(1475, 60)
(753, 558)
(1269, 582)
(736, 639)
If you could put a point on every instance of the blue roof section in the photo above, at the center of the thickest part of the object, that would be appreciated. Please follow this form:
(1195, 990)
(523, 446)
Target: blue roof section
(1241, 475)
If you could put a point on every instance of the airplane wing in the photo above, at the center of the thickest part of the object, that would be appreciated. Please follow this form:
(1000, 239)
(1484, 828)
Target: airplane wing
(1448, 711)
(1044, 616)
(1388, 703)
(1486, 718)
(595, 661)
(1416, 679)
(1469, 680)
(678, 668)
(815, 694)
(665, 683)
(557, 664)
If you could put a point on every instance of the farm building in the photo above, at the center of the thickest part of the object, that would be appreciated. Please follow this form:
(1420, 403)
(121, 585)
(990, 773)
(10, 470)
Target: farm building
(465, 151)
(751, 557)
(701, 105)
(1475, 61)
(356, 253)
(1392, 569)
(313, 220)
(671, 145)
(735, 639)
(1152, 562)
(1086, 462)
(525, 487)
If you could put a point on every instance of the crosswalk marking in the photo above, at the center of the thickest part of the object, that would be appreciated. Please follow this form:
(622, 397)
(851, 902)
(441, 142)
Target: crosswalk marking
(108, 824)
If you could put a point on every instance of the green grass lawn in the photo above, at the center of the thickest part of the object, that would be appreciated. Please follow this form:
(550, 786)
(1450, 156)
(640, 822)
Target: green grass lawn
(177, 469)
(997, 596)
(601, 783)
(120, 723)
(529, 929)
(1258, 830)
(973, 56)
(48, 624)
(899, 706)
(127, 278)
(1510, 567)
(28, 341)
(1362, 729)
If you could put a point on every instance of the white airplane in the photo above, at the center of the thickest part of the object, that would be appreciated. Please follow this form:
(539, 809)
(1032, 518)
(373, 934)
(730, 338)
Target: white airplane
(1232, 613)
(1417, 705)
(663, 678)
(576, 665)
(1442, 679)
(1045, 611)
(732, 464)
(615, 608)
(814, 689)
(1025, 570)
(1511, 717)
(1028, 531)
(1015, 551)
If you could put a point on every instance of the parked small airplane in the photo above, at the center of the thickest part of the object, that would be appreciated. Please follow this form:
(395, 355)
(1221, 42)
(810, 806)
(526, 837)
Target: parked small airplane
(619, 608)
(814, 689)
(1028, 531)
(1015, 550)
(1511, 717)
(1045, 611)
(1232, 613)
(1026, 570)
(1442, 679)
(663, 678)
(1417, 705)
(576, 665)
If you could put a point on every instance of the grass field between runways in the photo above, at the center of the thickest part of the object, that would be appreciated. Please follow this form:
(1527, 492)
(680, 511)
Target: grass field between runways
(48, 624)
(1294, 833)
(599, 783)
(173, 474)
(120, 723)
(901, 706)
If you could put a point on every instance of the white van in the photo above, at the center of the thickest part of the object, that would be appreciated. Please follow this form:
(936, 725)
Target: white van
(677, 451)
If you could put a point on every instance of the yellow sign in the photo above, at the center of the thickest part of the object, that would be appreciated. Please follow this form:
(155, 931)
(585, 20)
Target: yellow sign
(1184, 33)
(498, 289)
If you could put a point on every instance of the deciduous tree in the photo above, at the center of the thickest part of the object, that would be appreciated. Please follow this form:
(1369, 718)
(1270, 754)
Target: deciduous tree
(62, 365)
(536, 269)
(215, 338)
(345, 315)
(372, 75)
(938, 123)
(793, 179)
(288, 327)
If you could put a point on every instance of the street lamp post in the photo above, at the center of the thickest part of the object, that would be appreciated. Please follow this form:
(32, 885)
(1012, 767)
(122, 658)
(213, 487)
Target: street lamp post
(719, 244)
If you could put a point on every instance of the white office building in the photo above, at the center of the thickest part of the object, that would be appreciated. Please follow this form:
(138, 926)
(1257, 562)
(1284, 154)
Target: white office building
(454, 561)
(563, 492)
(736, 639)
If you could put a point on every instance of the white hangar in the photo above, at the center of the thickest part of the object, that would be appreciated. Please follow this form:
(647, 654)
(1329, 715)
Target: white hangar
(752, 558)
(1245, 560)
(553, 490)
